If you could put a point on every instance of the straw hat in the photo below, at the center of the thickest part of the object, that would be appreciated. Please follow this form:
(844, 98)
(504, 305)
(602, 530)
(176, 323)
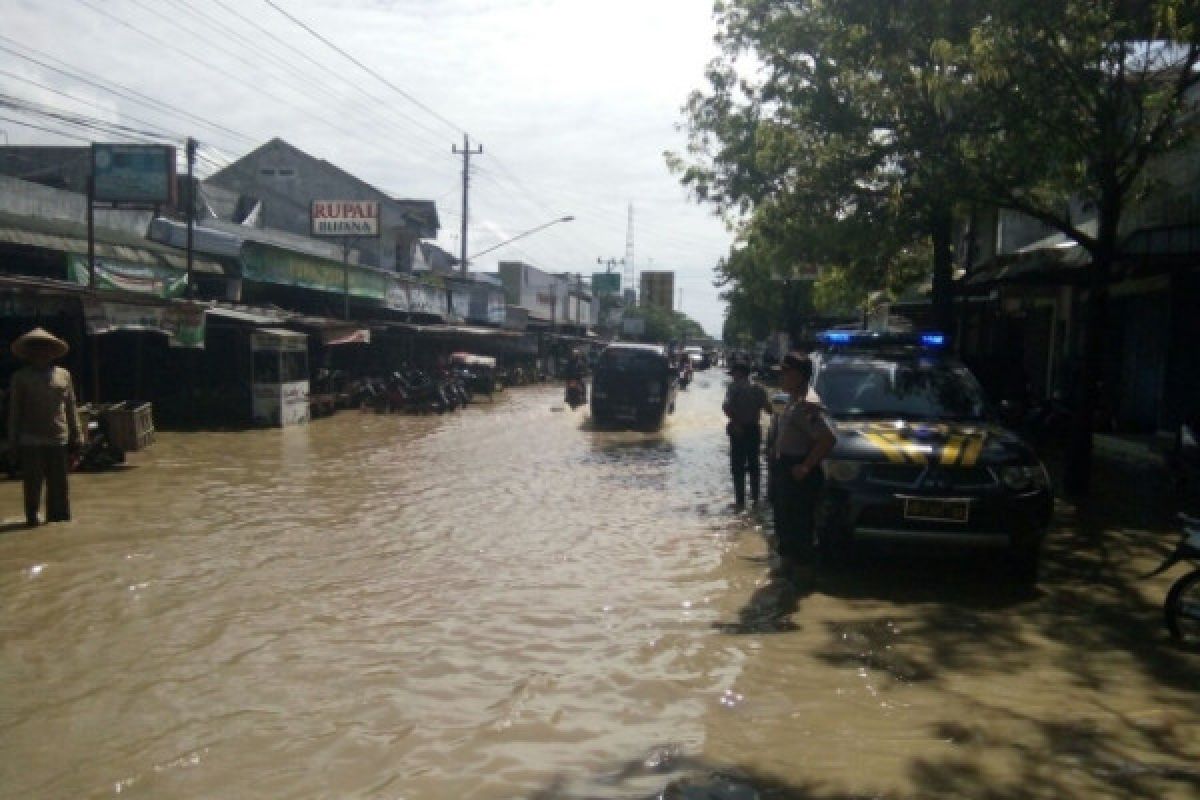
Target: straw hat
(53, 345)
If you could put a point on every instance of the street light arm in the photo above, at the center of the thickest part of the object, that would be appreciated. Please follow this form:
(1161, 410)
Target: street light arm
(521, 236)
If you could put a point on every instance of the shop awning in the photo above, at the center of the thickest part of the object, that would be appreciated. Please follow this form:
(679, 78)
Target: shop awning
(355, 336)
(116, 246)
(181, 323)
(332, 331)
(450, 330)
(248, 316)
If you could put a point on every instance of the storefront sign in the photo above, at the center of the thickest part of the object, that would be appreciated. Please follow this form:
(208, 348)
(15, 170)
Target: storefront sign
(271, 265)
(345, 218)
(133, 173)
(397, 296)
(460, 304)
(427, 300)
(158, 281)
(606, 283)
(497, 312)
(182, 325)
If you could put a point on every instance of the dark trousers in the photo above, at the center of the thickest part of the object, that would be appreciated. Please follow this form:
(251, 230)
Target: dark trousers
(45, 464)
(794, 504)
(744, 444)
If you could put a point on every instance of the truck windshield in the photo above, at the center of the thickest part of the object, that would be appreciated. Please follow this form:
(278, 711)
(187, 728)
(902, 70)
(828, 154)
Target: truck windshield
(918, 389)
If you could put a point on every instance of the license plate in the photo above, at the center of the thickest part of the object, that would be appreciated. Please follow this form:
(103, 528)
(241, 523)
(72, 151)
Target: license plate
(936, 510)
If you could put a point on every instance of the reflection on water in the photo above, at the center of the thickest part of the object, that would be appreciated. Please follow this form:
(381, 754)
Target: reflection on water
(503, 602)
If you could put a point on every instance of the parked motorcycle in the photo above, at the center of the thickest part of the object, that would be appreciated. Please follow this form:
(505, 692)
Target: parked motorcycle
(1181, 609)
(576, 393)
(98, 451)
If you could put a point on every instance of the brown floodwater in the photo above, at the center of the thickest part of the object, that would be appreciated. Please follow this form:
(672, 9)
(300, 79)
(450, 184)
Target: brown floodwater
(504, 603)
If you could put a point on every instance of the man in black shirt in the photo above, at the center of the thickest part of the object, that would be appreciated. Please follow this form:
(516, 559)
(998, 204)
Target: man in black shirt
(744, 404)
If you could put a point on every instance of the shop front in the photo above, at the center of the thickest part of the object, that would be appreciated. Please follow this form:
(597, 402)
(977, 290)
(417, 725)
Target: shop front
(280, 380)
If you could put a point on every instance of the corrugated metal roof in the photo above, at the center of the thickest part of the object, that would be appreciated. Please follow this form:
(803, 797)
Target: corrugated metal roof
(244, 316)
(71, 237)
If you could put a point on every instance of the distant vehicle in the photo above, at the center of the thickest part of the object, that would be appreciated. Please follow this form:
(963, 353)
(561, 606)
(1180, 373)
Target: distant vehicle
(920, 456)
(634, 384)
(697, 356)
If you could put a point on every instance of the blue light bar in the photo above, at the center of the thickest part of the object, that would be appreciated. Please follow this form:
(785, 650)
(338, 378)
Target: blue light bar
(931, 340)
(837, 337)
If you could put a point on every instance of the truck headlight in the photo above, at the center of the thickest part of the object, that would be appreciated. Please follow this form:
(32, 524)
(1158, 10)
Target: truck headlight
(1024, 477)
(843, 471)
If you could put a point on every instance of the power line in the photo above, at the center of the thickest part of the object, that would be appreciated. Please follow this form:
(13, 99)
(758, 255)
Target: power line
(320, 67)
(41, 128)
(349, 134)
(78, 120)
(83, 101)
(121, 91)
(366, 69)
(288, 70)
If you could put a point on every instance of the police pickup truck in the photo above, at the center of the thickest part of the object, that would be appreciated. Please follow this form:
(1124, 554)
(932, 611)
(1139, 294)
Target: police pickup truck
(920, 458)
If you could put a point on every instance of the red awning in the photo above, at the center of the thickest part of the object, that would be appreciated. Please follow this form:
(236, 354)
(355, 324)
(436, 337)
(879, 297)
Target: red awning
(342, 336)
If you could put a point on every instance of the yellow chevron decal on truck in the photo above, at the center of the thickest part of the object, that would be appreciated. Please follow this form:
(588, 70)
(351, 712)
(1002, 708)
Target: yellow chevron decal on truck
(952, 450)
(973, 449)
(886, 446)
(939, 444)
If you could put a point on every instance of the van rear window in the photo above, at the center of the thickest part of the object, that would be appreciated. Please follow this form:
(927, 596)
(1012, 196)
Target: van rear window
(631, 361)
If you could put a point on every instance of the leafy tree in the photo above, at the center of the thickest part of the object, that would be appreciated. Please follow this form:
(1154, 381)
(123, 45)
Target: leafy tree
(846, 133)
(1083, 96)
(666, 326)
(838, 138)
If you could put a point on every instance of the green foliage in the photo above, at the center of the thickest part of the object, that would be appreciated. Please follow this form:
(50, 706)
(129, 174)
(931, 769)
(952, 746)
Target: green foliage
(838, 147)
(666, 326)
(848, 133)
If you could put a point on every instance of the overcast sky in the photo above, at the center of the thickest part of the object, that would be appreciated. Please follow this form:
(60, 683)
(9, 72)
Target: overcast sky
(573, 101)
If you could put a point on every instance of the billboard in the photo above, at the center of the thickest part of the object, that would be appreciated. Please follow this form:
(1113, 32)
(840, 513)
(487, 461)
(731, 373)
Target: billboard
(606, 283)
(658, 290)
(141, 174)
(345, 218)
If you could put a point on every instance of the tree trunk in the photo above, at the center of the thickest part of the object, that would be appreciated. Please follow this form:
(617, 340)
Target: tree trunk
(1077, 477)
(941, 229)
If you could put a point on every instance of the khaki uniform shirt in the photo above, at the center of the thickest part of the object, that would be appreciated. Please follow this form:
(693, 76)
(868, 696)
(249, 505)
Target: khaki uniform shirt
(801, 424)
(745, 403)
(41, 408)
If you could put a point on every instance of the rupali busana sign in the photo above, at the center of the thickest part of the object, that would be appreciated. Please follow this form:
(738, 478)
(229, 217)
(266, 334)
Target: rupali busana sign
(345, 218)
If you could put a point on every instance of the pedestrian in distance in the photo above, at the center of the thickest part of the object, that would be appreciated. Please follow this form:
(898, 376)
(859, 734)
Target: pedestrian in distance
(745, 402)
(43, 425)
(802, 440)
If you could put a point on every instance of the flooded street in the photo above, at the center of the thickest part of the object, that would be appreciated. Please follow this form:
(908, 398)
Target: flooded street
(505, 603)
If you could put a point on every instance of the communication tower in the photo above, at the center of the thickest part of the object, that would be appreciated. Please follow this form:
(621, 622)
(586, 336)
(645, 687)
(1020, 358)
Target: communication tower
(630, 270)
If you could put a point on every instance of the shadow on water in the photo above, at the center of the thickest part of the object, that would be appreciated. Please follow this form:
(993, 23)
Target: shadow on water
(1096, 767)
(12, 527)
(770, 608)
(632, 447)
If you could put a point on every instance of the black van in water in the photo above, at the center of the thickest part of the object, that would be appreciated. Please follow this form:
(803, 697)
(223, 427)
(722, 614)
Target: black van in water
(633, 384)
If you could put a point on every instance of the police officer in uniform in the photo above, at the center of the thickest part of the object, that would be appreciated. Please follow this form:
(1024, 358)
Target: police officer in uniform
(744, 404)
(802, 440)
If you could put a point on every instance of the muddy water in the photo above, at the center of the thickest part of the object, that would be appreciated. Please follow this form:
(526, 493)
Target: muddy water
(504, 603)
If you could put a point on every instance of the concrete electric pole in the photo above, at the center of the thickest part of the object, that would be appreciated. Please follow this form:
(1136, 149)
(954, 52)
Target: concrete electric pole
(466, 153)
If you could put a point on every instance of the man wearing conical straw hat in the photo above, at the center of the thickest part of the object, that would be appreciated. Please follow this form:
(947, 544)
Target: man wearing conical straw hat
(42, 423)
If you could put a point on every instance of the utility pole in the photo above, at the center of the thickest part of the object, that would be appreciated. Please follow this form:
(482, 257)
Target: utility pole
(630, 270)
(191, 209)
(466, 153)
